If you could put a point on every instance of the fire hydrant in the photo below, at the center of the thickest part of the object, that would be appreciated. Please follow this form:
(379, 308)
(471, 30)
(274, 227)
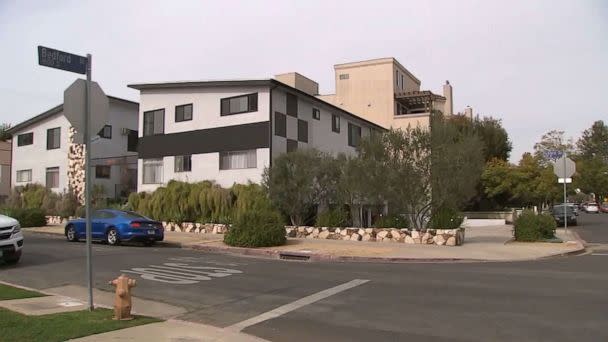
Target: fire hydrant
(122, 299)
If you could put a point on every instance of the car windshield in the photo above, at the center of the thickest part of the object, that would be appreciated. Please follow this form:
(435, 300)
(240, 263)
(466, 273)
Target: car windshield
(133, 215)
(559, 209)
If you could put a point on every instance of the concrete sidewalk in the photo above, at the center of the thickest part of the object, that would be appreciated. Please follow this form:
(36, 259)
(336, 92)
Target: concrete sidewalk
(491, 243)
(173, 330)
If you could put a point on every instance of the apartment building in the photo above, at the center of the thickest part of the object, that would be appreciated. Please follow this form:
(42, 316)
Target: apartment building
(229, 131)
(43, 152)
(5, 169)
(385, 92)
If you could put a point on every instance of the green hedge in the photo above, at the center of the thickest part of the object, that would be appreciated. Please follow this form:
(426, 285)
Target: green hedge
(27, 217)
(391, 221)
(446, 218)
(532, 227)
(204, 202)
(260, 228)
(36, 196)
(332, 218)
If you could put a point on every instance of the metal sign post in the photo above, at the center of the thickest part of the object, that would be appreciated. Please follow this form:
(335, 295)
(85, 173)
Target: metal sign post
(87, 182)
(82, 65)
(564, 168)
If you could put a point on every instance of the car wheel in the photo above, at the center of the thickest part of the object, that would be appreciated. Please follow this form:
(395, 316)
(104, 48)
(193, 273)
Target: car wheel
(12, 258)
(70, 234)
(112, 237)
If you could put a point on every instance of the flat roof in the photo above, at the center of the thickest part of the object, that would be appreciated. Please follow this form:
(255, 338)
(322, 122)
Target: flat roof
(53, 111)
(245, 83)
(374, 62)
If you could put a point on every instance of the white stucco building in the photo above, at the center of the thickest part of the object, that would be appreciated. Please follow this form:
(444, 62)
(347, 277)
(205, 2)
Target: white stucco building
(40, 150)
(229, 131)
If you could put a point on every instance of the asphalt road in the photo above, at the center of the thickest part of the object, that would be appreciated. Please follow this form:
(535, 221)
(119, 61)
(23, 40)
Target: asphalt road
(560, 299)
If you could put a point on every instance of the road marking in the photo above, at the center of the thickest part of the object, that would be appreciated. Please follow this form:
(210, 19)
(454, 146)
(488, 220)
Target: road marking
(181, 273)
(599, 253)
(296, 305)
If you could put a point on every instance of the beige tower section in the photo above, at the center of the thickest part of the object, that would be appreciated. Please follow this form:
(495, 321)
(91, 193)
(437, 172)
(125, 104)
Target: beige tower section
(449, 101)
(299, 82)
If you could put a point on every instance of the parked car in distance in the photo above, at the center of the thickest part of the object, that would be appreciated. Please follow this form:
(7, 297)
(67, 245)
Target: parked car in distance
(558, 215)
(116, 226)
(592, 208)
(604, 207)
(574, 207)
(11, 240)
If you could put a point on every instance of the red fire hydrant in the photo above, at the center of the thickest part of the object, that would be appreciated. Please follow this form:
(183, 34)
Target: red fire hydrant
(122, 299)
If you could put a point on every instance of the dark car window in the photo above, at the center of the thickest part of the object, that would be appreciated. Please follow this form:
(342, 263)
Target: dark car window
(102, 214)
(560, 210)
(131, 215)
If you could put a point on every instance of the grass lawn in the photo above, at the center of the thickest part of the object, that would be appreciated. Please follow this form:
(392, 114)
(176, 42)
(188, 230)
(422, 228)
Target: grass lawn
(56, 327)
(62, 326)
(9, 292)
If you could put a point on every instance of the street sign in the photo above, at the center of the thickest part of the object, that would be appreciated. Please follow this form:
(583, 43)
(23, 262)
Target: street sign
(553, 155)
(564, 168)
(561, 180)
(62, 60)
(74, 108)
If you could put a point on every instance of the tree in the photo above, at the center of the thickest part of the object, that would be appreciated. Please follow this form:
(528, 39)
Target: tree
(552, 141)
(594, 141)
(592, 177)
(529, 183)
(4, 135)
(496, 143)
(299, 180)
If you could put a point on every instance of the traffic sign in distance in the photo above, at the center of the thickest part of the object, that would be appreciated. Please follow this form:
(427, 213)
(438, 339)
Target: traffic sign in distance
(62, 60)
(74, 108)
(564, 169)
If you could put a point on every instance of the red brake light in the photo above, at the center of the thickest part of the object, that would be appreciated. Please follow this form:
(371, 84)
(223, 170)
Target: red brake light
(135, 224)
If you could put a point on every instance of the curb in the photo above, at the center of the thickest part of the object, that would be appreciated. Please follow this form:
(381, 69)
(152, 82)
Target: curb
(168, 244)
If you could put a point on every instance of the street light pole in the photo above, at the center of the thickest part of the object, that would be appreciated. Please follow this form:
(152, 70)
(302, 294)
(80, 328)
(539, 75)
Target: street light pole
(565, 198)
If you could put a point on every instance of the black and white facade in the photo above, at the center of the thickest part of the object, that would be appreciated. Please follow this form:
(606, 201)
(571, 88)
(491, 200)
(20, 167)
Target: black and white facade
(229, 131)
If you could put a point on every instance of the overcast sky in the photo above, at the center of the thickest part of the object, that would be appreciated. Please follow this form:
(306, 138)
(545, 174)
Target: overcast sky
(537, 65)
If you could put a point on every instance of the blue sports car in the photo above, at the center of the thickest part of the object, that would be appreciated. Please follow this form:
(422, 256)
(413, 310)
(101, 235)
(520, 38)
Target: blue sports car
(116, 226)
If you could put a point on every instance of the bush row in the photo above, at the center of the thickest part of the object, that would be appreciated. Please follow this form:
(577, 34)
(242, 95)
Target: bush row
(204, 202)
(32, 217)
(36, 196)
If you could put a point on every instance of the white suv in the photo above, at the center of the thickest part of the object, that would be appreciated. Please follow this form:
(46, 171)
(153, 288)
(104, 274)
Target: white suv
(11, 239)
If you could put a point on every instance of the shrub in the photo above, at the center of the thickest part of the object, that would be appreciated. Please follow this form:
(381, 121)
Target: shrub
(67, 205)
(391, 221)
(532, 227)
(332, 218)
(256, 229)
(547, 226)
(33, 217)
(446, 218)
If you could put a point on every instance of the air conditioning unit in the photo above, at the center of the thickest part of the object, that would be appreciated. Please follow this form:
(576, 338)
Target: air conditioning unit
(125, 131)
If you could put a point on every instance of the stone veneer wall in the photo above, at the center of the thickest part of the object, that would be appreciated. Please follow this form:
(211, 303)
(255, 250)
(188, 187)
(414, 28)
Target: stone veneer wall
(76, 161)
(448, 237)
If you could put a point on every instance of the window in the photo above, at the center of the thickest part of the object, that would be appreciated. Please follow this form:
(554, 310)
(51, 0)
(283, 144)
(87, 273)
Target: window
(24, 176)
(153, 171)
(103, 215)
(25, 139)
(238, 160)
(183, 163)
(291, 102)
(354, 135)
(106, 132)
(335, 123)
(52, 177)
(280, 124)
(53, 138)
(302, 131)
(102, 171)
(132, 139)
(316, 114)
(402, 86)
(343, 76)
(397, 77)
(154, 122)
(292, 145)
(183, 113)
(239, 104)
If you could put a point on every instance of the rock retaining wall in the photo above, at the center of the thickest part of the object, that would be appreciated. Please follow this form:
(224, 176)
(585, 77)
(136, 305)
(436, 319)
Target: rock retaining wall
(447, 237)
